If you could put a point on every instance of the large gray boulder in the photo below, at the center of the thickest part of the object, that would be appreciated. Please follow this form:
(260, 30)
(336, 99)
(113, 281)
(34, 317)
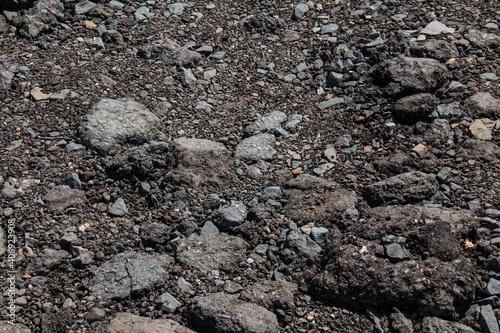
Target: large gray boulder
(115, 123)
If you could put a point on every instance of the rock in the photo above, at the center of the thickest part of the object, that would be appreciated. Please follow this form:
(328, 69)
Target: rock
(481, 150)
(420, 149)
(39, 281)
(330, 154)
(209, 229)
(410, 187)
(187, 227)
(168, 303)
(15, 187)
(112, 36)
(142, 14)
(267, 123)
(271, 294)
(435, 325)
(396, 252)
(418, 107)
(38, 95)
(207, 253)
(171, 53)
(118, 208)
(14, 5)
(146, 160)
(482, 105)
(67, 240)
(300, 10)
(83, 7)
(488, 320)
(231, 287)
(323, 168)
(7, 71)
(456, 86)
(436, 49)
(405, 76)
(129, 274)
(488, 76)
(329, 28)
(299, 246)
(272, 191)
(493, 287)
(482, 40)
(436, 28)
(319, 235)
(184, 285)
(177, 8)
(84, 259)
(114, 123)
(127, 322)
(3, 242)
(333, 79)
(451, 111)
(12, 327)
(55, 321)
(331, 102)
(481, 129)
(63, 197)
(96, 314)
(224, 313)
(73, 181)
(40, 18)
(155, 233)
(256, 148)
(47, 260)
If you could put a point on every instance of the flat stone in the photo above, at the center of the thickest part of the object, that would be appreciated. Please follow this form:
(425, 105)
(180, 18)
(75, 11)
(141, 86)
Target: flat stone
(96, 314)
(178, 8)
(6, 326)
(83, 7)
(269, 122)
(271, 294)
(323, 168)
(38, 95)
(488, 320)
(84, 259)
(168, 303)
(434, 324)
(118, 208)
(436, 28)
(67, 240)
(63, 197)
(488, 76)
(7, 71)
(127, 322)
(483, 105)
(272, 191)
(330, 154)
(493, 287)
(329, 28)
(331, 102)
(256, 148)
(396, 253)
(481, 129)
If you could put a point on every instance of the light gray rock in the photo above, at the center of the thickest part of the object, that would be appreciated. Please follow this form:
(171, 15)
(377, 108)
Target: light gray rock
(228, 314)
(482, 40)
(118, 208)
(72, 181)
(207, 253)
(63, 197)
(265, 293)
(168, 303)
(436, 28)
(115, 123)
(488, 320)
(299, 246)
(67, 240)
(396, 252)
(127, 322)
(40, 18)
(209, 229)
(171, 53)
(493, 287)
(130, 274)
(330, 154)
(3, 242)
(300, 10)
(272, 191)
(438, 325)
(329, 28)
(256, 148)
(331, 102)
(319, 234)
(7, 71)
(83, 7)
(267, 123)
(84, 259)
(6, 326)
(178, 8)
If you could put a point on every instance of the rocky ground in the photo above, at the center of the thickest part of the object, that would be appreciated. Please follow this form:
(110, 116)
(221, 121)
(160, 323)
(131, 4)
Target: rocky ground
(250, 166)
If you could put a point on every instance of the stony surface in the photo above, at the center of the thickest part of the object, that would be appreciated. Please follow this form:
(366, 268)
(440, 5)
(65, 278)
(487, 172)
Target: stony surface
(304, 166)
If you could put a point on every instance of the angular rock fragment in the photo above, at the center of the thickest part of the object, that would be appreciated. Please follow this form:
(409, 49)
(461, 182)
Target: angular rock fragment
(127, 322)
(7, 71)
(230, 216)
(256, 148)
(415, 108)
(41, 18)
(207, 253)
(62, 197)
(171, 53)
(224, 313)
(114, 123)
(434, 324)
(130, 274)
(481, 150)
(299, 246)
(483, 40)
(410, 187)
(269, 122)
(482, 104)
(436, 49)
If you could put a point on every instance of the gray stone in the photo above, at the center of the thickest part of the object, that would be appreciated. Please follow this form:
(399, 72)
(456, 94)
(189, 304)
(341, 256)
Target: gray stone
(15, 187)
(217, 55)
(330, 154)
(482, 104)
(488, 320)
(493, 287)
(488, 76)
(272, 191)
(67, 240)
(299, 246)
(451, 111)
(127, 322)
(202, 105)
(443, 174)
(47, 260)
(344, 141)
(230, 216)
(264, 293)
(331, 102)
(184, 285)
(130, 274)
(333, 79)
(3, 242)
(155, 233)
(205, 50)
(319, 234)
(6, 326)
(300, 10)
(228, 314)
(96, 314)
(323, 168)
(207, 253)
(436, 28)
(187, 227)
(406, 76)
(75, 147)
(267, 123)
(293, 121)
(492, 213)
(40, 18)
(84, 259)
(438, 325)
(178, 8)
(115, 4)
(7, 71)
(456, 86)
(118, 208)
(114, 123)
(396, 252)
(405, 188)
(418, 107)
(482, 40)
(171, 53)
(231, 287)
(168, 303)
(439, 198)
(63, 197)
(84, 7)
(142, 14)
(14, 5)
(329, 28)
(256, 148)
(38, 281)
(209, 229)
(73, 181)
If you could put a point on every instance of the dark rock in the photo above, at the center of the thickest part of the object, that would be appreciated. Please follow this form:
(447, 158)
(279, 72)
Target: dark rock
(481, 150)
(411, 109)
(112, 37)
(155, 233)
(224, 313)
(67, 240)
(41, 18)
(396, 252)
(83, 259)
(435, 49)
(15, 4)
(482, 104)
(96, 314)
(207, 253)
(63, 197)
(435, 325)
(7, 71)
(142, 161)
(130, 274)
(168, 303)
(113, 123)
(72, 181)
(256, 148)
(47, 260)
(171, 53)
(299, 246)
(118, 208)
(394, 164)
(404, 76)
(264, 293)
(127, 322)
(410, 187)
(187, 227)
(56, 321)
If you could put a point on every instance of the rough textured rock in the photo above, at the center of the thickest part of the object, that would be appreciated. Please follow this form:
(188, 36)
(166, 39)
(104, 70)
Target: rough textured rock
(405, 188)
(63, 197)
(130, 274)
(435, 49)
(404, 75)
(230, 216)
(438, 325)
(411, 109)
(171, 53)
(114, 123)
(224, 313)
(482, 39)
(7, 71)
(481, 150)
(394, 164)
(256, 148)
(7, 327)
(300, 247)
(269, 123)
(207, 253)
(127, 322)
(41, 18)
(47, 260)
(271, 294)
(482, 104)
